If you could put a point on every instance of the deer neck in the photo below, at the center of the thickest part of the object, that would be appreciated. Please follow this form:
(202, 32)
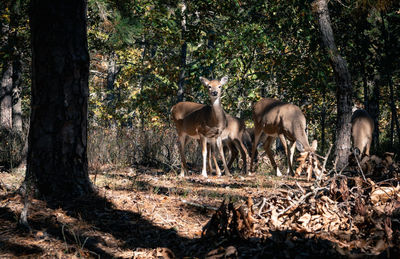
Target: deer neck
(218, 112)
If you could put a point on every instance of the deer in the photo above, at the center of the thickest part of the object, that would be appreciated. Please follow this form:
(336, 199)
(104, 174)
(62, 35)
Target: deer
(362, 127)
(284, 120)
(203, 122)
(233, 136)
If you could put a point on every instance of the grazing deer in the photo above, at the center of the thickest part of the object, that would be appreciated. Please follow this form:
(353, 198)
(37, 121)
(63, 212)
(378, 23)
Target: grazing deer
(203, 122)
(362, 127)
(279, 119)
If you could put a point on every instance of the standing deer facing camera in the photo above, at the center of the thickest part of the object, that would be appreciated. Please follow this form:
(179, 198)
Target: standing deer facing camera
(202, 122)
(362, 126)
(279, 119)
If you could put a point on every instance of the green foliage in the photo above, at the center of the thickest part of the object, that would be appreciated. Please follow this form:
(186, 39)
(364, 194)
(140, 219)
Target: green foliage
(267, 48)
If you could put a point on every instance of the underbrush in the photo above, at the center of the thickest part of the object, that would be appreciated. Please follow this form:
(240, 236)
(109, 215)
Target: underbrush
(151, 147)
(11, 148)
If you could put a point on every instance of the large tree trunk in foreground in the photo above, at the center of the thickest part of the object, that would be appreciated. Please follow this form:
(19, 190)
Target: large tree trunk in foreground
(57, 159)
(343, 85)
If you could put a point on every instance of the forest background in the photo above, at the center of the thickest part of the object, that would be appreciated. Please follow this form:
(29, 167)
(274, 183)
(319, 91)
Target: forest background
(148, 55)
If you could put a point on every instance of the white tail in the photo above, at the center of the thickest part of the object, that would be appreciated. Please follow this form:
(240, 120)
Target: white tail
(203, 122)
(279, 119)
(362, 127)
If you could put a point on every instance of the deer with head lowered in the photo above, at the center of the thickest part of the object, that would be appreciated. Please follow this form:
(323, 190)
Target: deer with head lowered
(283, 120)
(203, 122)
(362, 127)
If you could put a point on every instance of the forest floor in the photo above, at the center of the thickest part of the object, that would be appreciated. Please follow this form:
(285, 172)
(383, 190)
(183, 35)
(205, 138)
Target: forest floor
(148, 213)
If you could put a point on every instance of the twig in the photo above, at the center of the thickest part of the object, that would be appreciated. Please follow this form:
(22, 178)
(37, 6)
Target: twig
(264, 201)
(326, 158)
(301, 188)
(301, 200)
(359, 166)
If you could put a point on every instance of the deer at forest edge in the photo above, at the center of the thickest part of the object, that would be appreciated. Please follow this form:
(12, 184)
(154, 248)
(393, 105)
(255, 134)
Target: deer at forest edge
(362, 127)
(233, 138)
(279, 119)
(203, 122)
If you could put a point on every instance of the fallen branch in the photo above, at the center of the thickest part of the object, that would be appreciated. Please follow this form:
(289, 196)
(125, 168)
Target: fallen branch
(302, 199)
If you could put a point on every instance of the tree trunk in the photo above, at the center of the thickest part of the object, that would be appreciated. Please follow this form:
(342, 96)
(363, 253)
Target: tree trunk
(323, 119)
(343, 82)
(6, 95)
(6, 75)
(395, 121)
(16, 95)
(181, 83)
(373, 109)
(110, 92)
(57, 160)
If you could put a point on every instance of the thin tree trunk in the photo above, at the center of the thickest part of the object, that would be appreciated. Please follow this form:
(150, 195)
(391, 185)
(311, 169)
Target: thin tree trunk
(57, 163)
(373, 108)
(111, 71)
(343, 85)
(181, 83)
(323, 119)
(16, 95)
(110, 93)
(395, 121)
(6, 95)
(386, 72)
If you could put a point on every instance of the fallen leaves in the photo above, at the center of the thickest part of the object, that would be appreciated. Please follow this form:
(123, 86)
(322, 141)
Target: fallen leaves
(359, 217)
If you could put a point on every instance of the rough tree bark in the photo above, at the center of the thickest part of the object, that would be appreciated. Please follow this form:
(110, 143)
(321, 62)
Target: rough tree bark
(343, 84)
(6, 95)
(16, 95)
(6, 76)
(57, 160)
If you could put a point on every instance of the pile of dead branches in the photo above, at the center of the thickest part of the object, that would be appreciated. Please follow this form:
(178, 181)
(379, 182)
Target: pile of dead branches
(340, 216)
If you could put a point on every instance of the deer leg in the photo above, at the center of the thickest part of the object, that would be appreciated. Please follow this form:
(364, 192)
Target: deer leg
(267, 148)
(213, 152)
(209, 164)
(182, 143)
(285, 148)
(257, 135)
(233, 152)
(368, 146)
(290, 157)
(243, 153)
(221, 152)
(203, 142)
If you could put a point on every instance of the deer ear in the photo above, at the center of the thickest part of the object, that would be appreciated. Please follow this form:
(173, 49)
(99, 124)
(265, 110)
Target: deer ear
(204, 80)
(299, 146)
(314, 145)
(224, 80)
